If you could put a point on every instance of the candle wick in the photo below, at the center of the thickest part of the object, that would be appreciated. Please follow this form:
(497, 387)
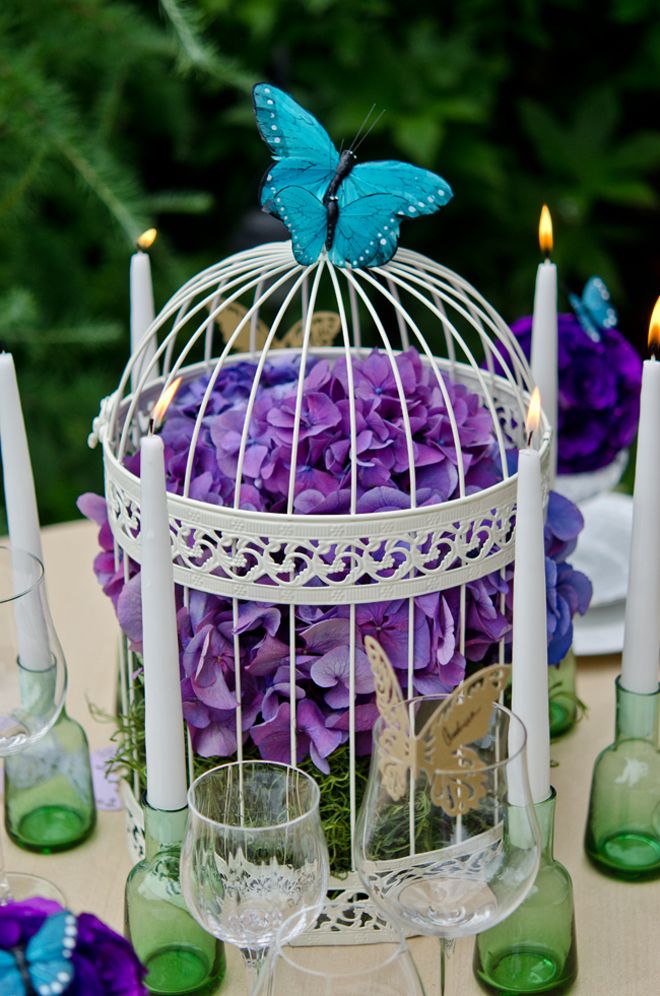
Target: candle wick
(530, 436)
(152, 426)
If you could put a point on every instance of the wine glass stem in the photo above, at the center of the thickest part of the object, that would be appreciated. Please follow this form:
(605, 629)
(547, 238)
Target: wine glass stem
(443, 965)
(254, 959)
(446, 948)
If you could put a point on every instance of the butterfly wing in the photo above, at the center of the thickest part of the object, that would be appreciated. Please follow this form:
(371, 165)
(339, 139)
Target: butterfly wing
(289, 130)
(293, 173)
(451, 765)
(48, 953)
(465, 716)
(367, 232)
(373, 199)
(414, 191)
(457, 792)
(11, 983)
(596, 299)
(395, 739)
(306, 219)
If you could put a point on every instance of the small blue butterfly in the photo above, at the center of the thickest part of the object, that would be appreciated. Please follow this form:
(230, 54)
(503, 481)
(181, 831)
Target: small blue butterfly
(594, 310)
(46, 961)
(328, 200)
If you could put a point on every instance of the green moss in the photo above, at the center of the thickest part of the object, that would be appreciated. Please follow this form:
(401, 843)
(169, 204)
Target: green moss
(335, 786)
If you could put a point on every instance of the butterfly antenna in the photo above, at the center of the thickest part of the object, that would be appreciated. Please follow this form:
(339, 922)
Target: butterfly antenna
(368, 131)
(364, 122)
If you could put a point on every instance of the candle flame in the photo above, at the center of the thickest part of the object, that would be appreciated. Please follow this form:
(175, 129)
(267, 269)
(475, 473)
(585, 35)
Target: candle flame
(533, 412)
(545, 231)
(654, 330)
(147, 239)
(164, 402)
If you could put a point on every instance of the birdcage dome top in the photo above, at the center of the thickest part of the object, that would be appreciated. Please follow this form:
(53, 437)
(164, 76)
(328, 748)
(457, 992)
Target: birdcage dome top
(281, 332)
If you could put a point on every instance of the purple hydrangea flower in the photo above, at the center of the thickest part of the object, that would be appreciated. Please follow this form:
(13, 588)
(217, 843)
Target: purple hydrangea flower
(105, 964)
(318, 678)
(599, 385)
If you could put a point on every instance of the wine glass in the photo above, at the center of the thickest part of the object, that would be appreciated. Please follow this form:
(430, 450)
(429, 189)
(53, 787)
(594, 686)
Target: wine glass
(383, 967)
(449, 855)
(254, 854)
(32, 682)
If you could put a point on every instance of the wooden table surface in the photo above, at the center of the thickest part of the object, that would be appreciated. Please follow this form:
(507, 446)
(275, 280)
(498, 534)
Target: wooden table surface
(617, 923)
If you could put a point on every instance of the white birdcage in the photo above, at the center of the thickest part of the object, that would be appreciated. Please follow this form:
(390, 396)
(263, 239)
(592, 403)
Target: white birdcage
(262, 300)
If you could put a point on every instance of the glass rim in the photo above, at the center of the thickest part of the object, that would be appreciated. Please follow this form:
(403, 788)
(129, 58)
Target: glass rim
(28, 558)
(314, 804)
(281, 945)
(497, 765)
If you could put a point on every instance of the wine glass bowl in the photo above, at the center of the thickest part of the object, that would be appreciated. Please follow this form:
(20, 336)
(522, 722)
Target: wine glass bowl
(32, 684)
(442, 850)
(312, 965)
(254, 852)
(32, 667)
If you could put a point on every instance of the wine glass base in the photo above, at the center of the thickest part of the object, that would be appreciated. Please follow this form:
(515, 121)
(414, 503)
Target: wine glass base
(23, 886)
(178, 969)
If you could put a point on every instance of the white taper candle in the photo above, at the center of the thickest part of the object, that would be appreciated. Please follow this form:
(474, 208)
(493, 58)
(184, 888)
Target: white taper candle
(142, 308)
(641, 648)
(544, 334)
(164, 737)
(22, 514)
(529, 681)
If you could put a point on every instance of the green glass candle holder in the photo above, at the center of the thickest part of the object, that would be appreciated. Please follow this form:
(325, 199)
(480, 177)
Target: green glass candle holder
(49, 794)
(180, 956)
(534, 950)
(562, 695)
(623, 825)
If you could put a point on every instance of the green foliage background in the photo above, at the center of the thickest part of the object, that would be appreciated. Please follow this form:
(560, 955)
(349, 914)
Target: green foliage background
(118, 114)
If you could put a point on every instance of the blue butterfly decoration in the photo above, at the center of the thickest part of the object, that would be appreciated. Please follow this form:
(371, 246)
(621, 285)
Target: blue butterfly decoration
(45, 963)
(327, 199)
(594, 310)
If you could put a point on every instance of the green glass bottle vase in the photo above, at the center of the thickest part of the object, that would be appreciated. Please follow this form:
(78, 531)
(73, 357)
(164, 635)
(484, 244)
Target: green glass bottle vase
(534, 950)
(623, 825)
(563, 695)
(181, 957)
(49, 794)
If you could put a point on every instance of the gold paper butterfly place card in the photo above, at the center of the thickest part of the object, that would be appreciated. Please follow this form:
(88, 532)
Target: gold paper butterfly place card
(440, 748)
(325, 326)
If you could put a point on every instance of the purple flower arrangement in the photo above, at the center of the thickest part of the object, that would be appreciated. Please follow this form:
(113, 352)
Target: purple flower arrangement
(103, 962)
(322, 486)
(599, 385)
